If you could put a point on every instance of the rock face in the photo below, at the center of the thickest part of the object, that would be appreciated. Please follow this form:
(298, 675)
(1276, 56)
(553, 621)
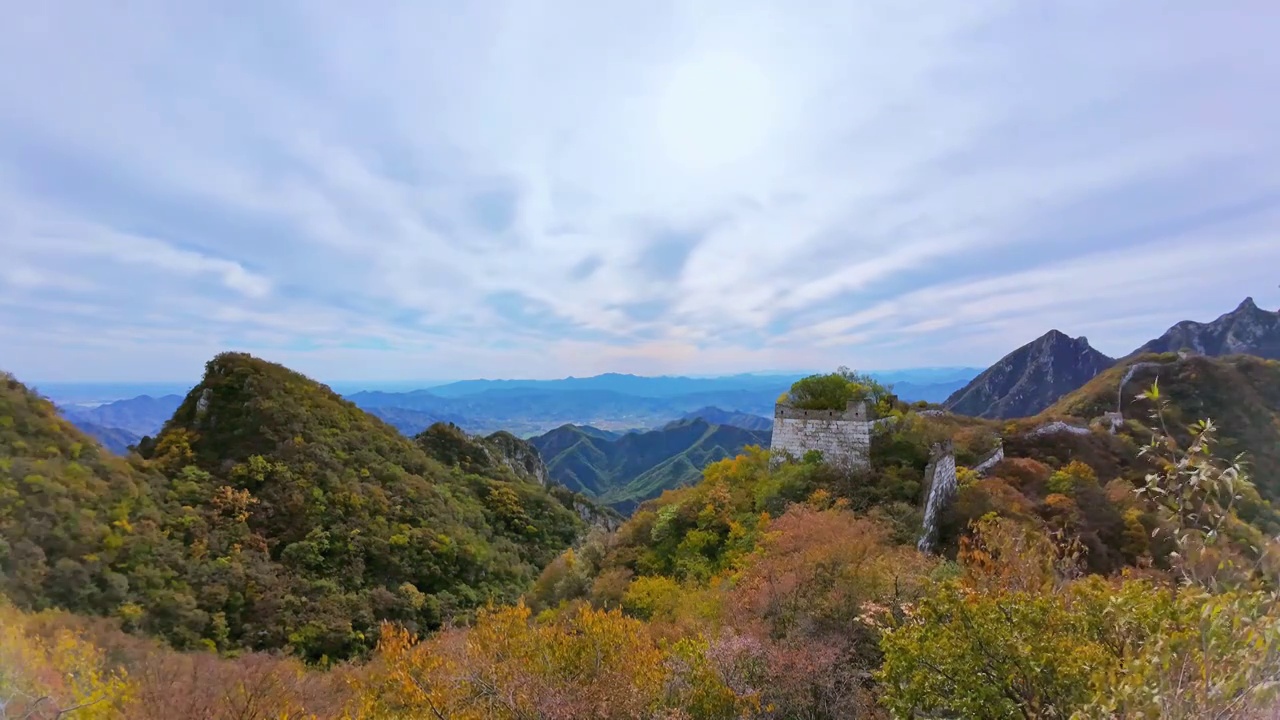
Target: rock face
(451, 445)
(1247, 330)
(1031, 378)
(518, 455)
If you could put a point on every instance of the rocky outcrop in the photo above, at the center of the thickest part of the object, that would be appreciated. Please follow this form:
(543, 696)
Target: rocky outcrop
(451, 445)
(518, 455)
(597, 516)
(1247, 330)
(1031, 378)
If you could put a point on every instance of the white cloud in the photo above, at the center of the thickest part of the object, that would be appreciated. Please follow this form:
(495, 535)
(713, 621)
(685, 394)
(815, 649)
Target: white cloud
(513, 188)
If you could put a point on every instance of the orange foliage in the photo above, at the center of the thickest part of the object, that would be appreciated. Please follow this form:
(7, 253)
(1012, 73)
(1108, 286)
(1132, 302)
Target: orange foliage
(1024, 474)
(796, 609)
(1011, 555)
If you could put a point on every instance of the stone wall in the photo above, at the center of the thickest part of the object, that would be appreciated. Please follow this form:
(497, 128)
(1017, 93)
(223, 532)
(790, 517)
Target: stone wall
(940, 487)
(843, 437)
(994, 458)
(1057, 426)
(1133, 370)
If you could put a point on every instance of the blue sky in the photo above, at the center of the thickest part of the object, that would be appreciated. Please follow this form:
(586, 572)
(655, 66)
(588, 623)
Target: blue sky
(541, 189)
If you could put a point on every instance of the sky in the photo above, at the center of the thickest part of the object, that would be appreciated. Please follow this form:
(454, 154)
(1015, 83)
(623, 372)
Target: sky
(532, 188)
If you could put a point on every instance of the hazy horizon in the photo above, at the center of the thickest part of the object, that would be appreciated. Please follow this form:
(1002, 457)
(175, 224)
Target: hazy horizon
(75, 391)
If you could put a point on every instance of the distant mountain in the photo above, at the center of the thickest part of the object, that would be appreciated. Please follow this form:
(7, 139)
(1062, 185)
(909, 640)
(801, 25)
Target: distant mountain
(1031, 378)
(636, 385)
(91, 393)
(116, 440)
(637, 466)
(716, 416)
(1247, 330)
(929, 392)
(142, 415)
(598, 433)
(411, 422)
(528, 411)
(911, 383)
(532, 407)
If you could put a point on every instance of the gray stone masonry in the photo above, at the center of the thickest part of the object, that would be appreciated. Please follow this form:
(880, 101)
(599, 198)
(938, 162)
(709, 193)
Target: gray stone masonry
(842, 436)
(995, 457)
(939, 488)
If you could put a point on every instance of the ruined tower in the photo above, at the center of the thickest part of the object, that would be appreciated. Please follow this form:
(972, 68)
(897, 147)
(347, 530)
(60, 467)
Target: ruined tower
(842, 436)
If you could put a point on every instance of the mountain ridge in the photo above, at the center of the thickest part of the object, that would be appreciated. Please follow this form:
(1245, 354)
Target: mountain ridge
(626, 470)
(1029, 379)
(1247, 330)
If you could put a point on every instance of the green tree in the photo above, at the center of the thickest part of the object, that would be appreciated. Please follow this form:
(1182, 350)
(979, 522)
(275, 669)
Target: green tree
(833, 391)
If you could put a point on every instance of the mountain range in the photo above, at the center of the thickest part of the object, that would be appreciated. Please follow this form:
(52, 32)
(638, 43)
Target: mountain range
(526, 408)
(626, 470)
(1033, 377)
(1247, 330)
(1024, 382)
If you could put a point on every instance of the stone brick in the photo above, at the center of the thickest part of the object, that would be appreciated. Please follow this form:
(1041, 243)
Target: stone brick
(843, 437)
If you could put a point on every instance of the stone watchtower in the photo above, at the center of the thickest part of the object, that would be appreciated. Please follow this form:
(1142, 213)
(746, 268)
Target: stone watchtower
(842, 436)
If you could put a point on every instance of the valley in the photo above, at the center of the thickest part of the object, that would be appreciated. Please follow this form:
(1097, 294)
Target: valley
(264, 513)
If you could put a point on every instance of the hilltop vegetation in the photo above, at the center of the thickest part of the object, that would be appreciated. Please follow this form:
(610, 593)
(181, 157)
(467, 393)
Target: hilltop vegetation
(834, 391)
(1241, 393)
(269, 513)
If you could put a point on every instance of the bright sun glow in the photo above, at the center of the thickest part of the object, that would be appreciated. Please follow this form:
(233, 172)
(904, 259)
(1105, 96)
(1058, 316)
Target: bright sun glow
(715, 111)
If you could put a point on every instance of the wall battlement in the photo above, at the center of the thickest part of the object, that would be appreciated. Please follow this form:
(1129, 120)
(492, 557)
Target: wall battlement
(842, 436)
(854, 410)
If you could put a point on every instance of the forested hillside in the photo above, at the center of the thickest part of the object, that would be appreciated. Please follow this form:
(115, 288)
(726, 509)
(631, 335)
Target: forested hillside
(269, 513)
(626, 470)
(1096, 573)
(1240, 393)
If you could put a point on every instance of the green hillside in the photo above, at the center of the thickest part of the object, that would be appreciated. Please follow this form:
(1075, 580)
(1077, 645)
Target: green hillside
(1240, 393)
(268, 513)
(625, 471)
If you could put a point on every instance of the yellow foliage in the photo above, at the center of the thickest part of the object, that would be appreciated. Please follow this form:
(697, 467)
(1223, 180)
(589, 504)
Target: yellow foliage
(65, 675)
(582, 663)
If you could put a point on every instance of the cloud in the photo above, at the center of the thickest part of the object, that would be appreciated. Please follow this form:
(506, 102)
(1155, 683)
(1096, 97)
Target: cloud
(519, 189)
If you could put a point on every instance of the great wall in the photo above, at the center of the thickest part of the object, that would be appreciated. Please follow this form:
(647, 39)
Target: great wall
(843, 438)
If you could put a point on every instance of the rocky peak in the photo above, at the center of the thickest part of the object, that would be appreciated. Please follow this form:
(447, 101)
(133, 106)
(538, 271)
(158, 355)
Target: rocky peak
(1247, 330)
(1031, 378)
(451, 445)
(518, 455)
